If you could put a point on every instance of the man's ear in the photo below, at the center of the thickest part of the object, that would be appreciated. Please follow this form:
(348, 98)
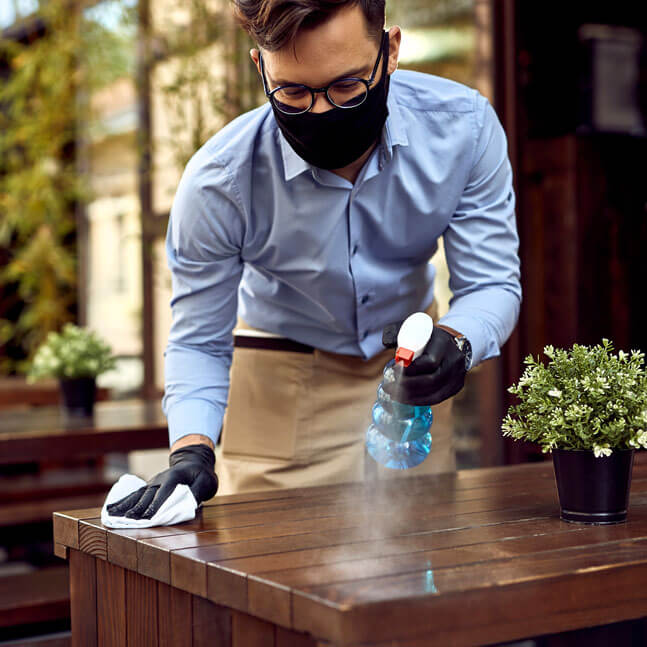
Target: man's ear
(395, 36)
(254, 55)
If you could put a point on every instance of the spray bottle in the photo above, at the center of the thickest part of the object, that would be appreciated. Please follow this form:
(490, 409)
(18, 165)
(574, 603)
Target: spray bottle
(399, 435)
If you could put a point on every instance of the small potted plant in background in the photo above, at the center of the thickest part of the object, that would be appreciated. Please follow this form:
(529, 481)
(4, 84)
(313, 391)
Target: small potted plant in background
(76, 356)
(588, 407)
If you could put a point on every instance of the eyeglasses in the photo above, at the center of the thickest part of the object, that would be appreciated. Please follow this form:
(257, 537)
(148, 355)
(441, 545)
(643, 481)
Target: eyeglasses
(296, 98)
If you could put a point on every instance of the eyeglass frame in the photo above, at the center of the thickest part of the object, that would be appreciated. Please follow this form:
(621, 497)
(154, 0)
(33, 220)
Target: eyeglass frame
(314, 91)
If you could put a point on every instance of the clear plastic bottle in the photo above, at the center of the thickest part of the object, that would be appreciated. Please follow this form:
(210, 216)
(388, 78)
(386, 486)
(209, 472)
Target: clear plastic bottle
(399, 436)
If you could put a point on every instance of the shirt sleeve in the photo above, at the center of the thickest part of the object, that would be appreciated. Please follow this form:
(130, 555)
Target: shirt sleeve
(481, 245)
(203, 248)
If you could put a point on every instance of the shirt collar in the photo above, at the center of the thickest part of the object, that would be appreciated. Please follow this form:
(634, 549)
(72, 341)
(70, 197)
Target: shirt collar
(293, 165)
(393, 134)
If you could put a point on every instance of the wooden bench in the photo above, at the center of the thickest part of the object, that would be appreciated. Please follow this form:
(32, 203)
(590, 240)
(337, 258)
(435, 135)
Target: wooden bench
(38, 596)
(41, 595)
(32, 498)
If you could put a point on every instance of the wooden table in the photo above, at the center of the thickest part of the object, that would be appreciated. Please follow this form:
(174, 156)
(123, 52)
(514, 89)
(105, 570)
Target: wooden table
(46, 433)
(478, 557)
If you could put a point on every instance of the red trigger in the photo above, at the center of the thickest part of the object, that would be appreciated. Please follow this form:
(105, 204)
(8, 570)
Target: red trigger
(404, 356)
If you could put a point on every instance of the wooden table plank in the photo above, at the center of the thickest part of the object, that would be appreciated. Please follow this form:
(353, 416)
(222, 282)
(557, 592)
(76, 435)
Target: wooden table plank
(508, 599)
(287, 638)
(480, 573)
(122, 544)
(45, 433)
(61, 551)
(66, 525)
(270, 601)
(387, 546)
(212, 624)
(188, 566)
(354, 527)
(83, 599)
(455, 555)
(141, 613)
(277, 586)
(174, 615)
(111, 604)
(501, 627)
(254, 524)
(216, 529)
(472, 478)
(321, 518)
(248, 631)
(93, 538)
(115, 414)
(228, 587)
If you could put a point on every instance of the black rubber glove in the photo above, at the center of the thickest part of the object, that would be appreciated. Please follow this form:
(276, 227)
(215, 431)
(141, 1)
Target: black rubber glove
(192, 465)
(436, 375)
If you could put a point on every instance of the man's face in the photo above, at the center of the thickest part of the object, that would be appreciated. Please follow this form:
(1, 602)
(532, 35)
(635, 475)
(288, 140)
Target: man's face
(340, 47)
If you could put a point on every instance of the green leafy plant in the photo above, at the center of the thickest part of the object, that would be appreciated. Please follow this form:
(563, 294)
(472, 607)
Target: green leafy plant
(585, 398)
(74, 352)
(47, 79)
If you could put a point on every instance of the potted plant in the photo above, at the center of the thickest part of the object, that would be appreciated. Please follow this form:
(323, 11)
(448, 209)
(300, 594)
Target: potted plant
(76, 356)
(588, 407)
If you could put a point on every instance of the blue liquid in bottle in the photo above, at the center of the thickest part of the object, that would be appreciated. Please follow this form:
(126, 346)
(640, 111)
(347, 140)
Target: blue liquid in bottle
(399, 436)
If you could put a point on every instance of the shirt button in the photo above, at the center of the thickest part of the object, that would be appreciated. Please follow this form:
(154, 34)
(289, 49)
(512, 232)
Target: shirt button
(365, 298)
(365, 334)
(355, 250)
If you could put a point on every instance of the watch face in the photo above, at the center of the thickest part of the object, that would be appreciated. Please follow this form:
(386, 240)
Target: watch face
(465, 347)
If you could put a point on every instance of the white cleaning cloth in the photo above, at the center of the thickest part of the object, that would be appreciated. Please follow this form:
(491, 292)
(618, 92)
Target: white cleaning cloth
(180, 506)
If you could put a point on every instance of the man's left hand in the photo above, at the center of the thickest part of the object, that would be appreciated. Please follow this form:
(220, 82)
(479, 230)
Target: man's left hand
(436, 375)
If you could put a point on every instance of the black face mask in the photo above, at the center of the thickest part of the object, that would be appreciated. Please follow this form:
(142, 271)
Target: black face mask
(335, 138)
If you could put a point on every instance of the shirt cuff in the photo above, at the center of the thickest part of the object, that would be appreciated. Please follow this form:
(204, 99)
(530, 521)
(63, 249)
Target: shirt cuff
(194, 416)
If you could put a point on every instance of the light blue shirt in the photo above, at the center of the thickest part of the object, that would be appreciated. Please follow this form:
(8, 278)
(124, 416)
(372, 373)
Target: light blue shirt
(300, 251)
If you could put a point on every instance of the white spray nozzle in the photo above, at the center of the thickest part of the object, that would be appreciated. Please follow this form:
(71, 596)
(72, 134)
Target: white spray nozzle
(414, 335)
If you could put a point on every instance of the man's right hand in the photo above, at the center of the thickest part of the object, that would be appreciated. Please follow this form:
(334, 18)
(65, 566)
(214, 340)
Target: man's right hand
(192, 465)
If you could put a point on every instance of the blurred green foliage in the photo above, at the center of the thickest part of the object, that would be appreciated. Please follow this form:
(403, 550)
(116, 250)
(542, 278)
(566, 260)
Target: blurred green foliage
(213, 79)
(43, 102)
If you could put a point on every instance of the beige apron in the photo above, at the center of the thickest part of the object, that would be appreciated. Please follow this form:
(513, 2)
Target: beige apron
(297, 419)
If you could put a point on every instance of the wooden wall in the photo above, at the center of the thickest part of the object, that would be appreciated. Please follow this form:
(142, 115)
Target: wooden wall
(581, 193)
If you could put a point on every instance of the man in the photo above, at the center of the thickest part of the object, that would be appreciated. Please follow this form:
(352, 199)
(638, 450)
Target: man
(314, 218)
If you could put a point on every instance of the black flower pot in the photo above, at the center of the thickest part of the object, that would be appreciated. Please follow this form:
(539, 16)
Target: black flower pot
(78, 395)
(593, 490)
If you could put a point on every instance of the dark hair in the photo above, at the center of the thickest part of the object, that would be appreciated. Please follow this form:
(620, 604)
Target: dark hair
(274, 23)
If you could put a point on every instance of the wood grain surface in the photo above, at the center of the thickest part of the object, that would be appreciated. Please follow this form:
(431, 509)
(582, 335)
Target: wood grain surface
(474, 557)
(46, 433)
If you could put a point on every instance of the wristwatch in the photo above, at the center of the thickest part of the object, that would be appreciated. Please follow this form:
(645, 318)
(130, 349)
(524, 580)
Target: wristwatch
(462, 343)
